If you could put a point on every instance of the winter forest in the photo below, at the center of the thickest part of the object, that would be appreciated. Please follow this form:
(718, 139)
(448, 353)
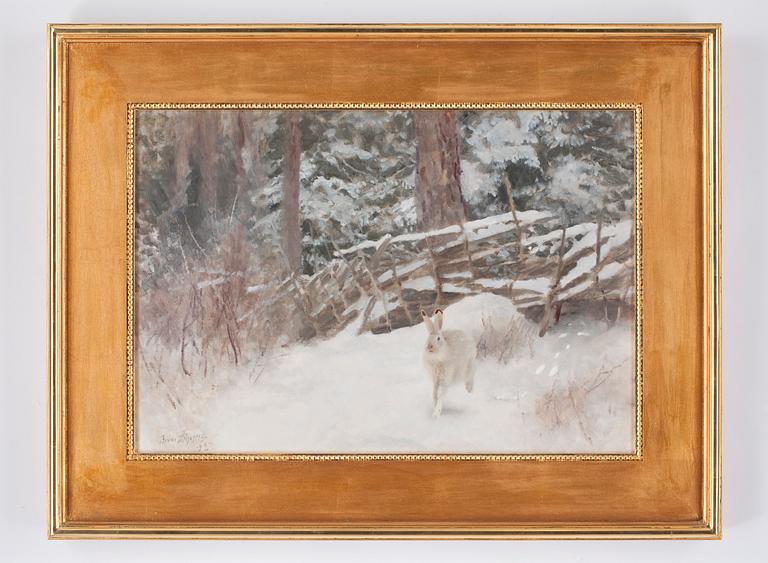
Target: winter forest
(285, 260)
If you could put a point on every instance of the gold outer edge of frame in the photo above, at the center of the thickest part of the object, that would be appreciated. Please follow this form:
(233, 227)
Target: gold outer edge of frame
(712, 361)
(59, 35)
(717, 227)
(133, 455)
(387, 531)
(56, 279)
(51, 298)
(106, 32)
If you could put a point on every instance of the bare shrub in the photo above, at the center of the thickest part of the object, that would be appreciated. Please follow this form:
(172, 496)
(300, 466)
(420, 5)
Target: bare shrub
(223, 310)
(569, 401)
(505, 339)
(559, 405)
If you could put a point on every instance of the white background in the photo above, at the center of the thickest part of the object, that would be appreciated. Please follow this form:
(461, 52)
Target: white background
(22, 275)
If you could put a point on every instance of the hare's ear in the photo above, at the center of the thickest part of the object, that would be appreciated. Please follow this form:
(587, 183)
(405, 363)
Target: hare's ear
(439, 319)
(428, 322)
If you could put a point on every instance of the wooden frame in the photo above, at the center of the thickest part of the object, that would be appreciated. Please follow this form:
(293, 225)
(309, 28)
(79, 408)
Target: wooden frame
(671, 490)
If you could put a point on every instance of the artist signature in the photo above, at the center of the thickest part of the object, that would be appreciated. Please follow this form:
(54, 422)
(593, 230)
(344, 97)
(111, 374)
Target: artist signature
(196, 441)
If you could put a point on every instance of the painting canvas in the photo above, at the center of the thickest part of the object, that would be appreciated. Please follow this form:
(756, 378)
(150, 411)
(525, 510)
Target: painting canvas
(385, 281)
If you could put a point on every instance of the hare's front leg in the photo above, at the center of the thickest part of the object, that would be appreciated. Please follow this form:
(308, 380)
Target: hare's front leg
(437, 394)
(469, 376)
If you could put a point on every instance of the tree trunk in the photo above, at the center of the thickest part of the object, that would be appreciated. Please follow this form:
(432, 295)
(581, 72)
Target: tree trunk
(184, 130)
(291, 179)
(213, 196)
(239, 137)
(196, 175)
(439, 202)
(259, 147)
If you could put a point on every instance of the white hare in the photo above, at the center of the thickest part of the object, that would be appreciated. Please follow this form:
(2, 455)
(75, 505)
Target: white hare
(449, 356)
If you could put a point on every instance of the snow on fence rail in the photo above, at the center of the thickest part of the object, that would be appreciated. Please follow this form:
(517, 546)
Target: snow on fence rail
(475, 230)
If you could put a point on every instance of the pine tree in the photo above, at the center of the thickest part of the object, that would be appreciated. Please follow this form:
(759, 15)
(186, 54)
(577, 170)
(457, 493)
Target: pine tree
(357, 180)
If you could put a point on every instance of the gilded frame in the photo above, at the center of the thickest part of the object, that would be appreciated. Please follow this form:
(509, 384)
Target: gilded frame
(60, 526)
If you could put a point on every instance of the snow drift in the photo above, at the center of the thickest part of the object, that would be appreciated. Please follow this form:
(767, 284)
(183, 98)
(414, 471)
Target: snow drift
(572, 391)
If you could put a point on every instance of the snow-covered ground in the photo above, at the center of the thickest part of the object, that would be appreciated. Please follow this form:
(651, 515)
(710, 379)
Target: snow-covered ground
(573, 391)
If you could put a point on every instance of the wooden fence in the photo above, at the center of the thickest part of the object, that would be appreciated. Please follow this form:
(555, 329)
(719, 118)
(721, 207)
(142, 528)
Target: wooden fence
(382, 285)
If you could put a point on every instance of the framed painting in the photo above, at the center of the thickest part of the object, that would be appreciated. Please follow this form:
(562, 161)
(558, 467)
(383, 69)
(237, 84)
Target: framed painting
(384, 281)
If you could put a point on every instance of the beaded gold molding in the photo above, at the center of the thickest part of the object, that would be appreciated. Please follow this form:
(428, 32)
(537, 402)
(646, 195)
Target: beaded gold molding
(133, 455)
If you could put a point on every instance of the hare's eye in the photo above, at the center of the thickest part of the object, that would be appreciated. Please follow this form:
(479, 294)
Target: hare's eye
(438, 339)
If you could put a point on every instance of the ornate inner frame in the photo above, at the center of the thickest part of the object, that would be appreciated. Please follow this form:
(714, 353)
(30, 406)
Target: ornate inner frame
(132, 452)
